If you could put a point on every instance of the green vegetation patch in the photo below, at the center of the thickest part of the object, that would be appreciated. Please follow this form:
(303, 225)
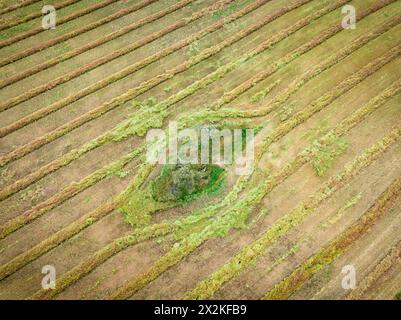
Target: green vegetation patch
(324, 154)
(175, 185)
(183, 183)
(398, 296)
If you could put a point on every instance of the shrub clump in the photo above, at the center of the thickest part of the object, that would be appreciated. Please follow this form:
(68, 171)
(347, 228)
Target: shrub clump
(181, 183)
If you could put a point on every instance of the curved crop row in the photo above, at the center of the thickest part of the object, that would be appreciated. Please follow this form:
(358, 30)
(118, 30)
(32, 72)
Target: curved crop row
(301, 159)
(346, 125)
(134, 91)
(86, 28)
(325, 65)
(17, 5)
(316, 41)
(74, 228)
(283, 129)
(285, 288)
(65, 194)
(257, 194)
(126, 97)
(251, 252)
(115, 246)
(98, 62)
(14, 22)
(122, 243)
(393, 257)
(98, 258)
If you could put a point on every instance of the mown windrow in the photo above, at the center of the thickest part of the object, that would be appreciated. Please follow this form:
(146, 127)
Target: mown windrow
(14, 22)
(86, 47)
(165, 228)
(74, 33)
(249, 254)
(111, 36)
(338, 246)
(144, 118)
(152, 193)
(34, 213)
(392, 258)
(239, 212)
(16, 6)
(96, 63)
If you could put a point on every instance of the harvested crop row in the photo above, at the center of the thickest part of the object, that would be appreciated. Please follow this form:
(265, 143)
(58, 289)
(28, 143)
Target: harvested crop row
(250, 253)
(86, 28)
(346, 125)
(66, 19)
(302, 158)
(328, 63)
(98, 62)
(114, 247)
(126, 97)
(176, 254)
(68, 55)
(392, 258)
(277, 134)
(132, 93)
(65, 194)
(74, 228)
(84, 268)
(232, 94)
(338, 246)
(14, 22)
(299, 82)
(93, 44)
(137, 66)
(98, 42)
(296, 53)
(98, 258)
(17, 5)
(331, 96)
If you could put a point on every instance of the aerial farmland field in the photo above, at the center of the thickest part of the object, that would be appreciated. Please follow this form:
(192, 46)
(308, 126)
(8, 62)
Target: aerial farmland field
(107, 190)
